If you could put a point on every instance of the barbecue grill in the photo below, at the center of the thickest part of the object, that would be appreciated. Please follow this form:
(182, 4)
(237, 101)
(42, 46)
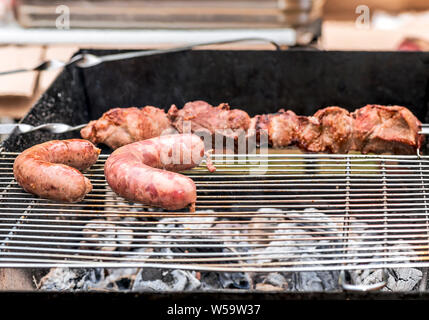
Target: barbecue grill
(279, 211)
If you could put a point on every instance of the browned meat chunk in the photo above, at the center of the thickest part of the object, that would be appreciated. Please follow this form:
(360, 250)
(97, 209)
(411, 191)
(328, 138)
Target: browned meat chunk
(260, 122)
(259, 127)
(120, 126)
(309, 134)
(381, 129)
(204, 118)
(283, 129)
(374, 128)
(329, 130)
(336, 129)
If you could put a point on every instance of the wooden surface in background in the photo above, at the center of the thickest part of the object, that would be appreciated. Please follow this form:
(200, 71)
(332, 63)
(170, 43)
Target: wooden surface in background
(16, 280)
(346, 9)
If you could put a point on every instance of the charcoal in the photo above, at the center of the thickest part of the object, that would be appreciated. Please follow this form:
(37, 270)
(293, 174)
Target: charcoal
(398, 279)
(160, 280)
(236, 280)
(225, 280)
(314, 281)
(276, 279)
(165, 280)
(67, 279)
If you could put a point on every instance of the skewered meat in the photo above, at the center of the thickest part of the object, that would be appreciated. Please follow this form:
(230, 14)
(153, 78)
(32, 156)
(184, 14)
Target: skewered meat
(120, 126)
(283, 129)
(259, 126)
(382, 129)
(135, 171)
(329, 130)
(333, 129)
(309, 134)
(372, 128)
(50, 169)
(336, 130)
(206, 119)
(260, 122)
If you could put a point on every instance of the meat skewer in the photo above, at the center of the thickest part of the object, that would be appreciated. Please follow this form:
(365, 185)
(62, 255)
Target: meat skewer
(204, 118)
(121, 126)
(281, 128)
(372, 128)
(378, 128)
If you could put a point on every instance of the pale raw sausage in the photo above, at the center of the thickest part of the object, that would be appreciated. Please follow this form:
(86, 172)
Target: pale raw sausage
(136, 171)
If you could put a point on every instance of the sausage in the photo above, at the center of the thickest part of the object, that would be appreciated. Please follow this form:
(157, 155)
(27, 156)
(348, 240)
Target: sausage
(51, 169)
(135, 171)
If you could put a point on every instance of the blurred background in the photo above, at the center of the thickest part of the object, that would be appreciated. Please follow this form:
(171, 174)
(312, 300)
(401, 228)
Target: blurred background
(35, 30)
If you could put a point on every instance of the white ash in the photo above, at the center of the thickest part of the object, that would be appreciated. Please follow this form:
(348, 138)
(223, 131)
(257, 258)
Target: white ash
(274, 279)
(166, 280)
(115, 279)
(311, 281)
(398, 279)
(102, 233)
(66, 279)
(227, 235)
(197, 222)
(310, 214)
(403, 279)
(140, 254)
(285, 243)
(271, 210)
(226, 280)
(166, 224)
(107, 235)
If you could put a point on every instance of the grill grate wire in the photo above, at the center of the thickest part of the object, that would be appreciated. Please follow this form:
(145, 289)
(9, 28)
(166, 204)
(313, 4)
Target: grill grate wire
(275, 212)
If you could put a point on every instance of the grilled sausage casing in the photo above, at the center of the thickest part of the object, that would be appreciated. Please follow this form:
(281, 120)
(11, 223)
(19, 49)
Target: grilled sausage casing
(51, 169)
(135, 171)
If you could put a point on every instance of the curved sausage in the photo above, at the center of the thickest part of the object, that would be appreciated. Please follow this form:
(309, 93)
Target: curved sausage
(135, 171)
(51, 169)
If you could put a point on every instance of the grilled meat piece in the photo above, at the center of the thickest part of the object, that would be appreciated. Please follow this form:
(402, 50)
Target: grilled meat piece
(283, 128)
(259, 124)
(120, 126)
(336, 129)
(205, 119)
(309, 134)
(381, 129)
(373, 128)
(330, 129)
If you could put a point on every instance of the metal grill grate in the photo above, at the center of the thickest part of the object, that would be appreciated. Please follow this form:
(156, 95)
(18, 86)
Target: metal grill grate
(276, 212)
